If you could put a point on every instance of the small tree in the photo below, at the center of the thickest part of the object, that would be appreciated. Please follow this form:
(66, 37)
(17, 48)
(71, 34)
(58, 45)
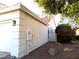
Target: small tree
(68, 8)
(55, 6)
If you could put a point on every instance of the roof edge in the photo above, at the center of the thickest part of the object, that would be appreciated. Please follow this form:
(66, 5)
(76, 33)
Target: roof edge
(19, 6)
(25, 9)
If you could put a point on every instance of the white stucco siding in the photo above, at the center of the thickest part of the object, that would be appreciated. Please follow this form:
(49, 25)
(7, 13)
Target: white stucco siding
(52, 34)
(38, 34)
(9, 34)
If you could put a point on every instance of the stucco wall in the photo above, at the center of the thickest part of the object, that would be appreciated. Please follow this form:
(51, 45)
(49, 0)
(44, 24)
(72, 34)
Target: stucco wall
(52, 27)
(52, 34)
(9, 34)
(38, 34)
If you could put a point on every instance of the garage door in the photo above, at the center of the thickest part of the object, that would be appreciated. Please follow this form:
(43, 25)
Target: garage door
(5, 34)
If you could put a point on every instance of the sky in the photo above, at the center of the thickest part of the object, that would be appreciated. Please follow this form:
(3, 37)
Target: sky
(28, 3)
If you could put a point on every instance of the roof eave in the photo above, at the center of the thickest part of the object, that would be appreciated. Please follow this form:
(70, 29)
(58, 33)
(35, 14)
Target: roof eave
(23, 8)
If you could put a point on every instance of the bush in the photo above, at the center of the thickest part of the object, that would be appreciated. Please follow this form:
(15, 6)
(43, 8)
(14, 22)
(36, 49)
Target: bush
(65, 33)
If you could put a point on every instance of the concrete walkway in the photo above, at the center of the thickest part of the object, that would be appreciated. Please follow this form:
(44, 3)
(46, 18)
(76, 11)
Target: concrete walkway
(64, 51)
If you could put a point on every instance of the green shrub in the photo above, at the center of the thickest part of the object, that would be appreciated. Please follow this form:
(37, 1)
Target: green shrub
(65, 33)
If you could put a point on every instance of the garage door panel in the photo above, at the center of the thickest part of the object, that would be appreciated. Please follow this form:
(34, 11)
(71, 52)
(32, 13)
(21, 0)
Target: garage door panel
(5, 35)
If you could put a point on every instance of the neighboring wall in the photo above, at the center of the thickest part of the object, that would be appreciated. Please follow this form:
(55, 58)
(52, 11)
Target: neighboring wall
(33, 34)
(51, 27)
(54, 22)
(9, 34)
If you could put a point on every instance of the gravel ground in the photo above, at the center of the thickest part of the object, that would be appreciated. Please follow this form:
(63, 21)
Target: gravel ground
(62, 51)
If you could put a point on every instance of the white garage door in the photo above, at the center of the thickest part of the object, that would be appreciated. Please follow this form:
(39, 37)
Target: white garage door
(5, 35)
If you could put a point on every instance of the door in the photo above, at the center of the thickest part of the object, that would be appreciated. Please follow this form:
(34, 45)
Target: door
(5, 35)
(29, 41)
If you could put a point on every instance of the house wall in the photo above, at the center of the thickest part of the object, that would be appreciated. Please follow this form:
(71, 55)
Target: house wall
(9, 34)
(52, 27)
(52, 34)
(32, 34)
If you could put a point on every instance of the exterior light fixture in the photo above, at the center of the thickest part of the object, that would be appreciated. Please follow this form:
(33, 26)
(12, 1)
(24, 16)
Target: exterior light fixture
(14, 23)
